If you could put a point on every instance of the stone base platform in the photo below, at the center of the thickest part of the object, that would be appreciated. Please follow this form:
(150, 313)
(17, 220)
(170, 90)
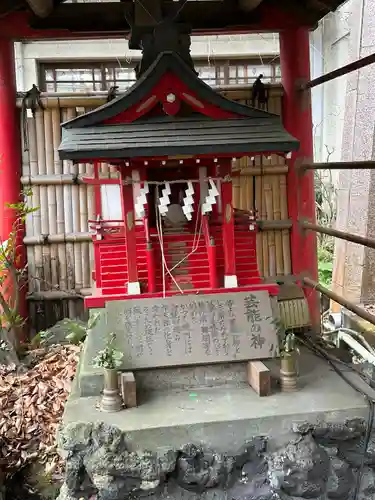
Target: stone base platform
(224, 416)
(223, 443)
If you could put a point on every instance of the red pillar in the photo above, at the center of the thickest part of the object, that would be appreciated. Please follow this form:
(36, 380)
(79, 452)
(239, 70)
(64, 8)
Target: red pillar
(230, 277)
(297, 119)
(127, 201)
(212, 264)
(10, 154)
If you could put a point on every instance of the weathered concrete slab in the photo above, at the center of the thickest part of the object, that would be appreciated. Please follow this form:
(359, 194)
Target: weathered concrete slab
(185, 330)
(223, 417)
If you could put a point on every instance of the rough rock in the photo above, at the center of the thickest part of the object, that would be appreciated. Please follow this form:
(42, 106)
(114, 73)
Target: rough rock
(367, 489)
(302, 427)
(98, 460)
(340, 481)
(75, 436)
(253, 483)
(352, 451)
(331, 432)
(311, 462)
(250, 451)
(198, 470)
(300, 469)
(65, 494)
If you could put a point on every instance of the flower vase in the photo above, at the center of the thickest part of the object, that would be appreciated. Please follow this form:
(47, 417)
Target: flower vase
(288, 372)
(111, 400)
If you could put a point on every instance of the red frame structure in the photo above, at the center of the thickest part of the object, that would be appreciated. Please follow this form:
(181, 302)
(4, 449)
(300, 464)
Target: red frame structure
(294, 54)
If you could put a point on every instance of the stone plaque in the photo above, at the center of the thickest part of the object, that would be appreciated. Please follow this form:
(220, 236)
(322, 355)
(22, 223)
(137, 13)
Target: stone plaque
(193, 329)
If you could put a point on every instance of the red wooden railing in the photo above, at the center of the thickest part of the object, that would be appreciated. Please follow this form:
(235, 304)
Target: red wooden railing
(202, 258)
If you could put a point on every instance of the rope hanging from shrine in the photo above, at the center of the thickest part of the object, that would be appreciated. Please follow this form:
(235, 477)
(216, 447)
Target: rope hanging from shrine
(159, 229)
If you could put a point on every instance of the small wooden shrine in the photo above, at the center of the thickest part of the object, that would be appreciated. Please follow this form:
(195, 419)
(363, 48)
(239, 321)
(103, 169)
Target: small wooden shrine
(173, 139)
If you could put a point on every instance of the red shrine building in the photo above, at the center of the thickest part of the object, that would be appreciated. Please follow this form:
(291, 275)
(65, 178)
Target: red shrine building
(177, 137)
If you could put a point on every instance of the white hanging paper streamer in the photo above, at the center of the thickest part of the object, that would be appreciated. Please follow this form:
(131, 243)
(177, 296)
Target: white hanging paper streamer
(164, 200)
(141, 201)
(210, 198)
(188, 201)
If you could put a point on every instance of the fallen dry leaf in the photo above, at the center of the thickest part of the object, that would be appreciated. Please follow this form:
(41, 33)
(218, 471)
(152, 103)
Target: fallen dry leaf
(32, 404)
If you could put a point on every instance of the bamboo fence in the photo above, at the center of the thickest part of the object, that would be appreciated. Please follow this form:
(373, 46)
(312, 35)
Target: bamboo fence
(268, 197)
(59, 249)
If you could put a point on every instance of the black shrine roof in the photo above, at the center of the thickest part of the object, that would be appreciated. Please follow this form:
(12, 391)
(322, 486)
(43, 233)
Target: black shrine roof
(253, 130)
(160, 137)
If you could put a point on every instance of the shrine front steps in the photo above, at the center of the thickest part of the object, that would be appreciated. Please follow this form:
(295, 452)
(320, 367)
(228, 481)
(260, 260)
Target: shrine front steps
(225, 415)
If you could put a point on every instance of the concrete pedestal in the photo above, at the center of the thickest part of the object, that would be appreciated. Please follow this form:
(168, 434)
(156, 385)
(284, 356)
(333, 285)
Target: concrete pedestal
(221, 442)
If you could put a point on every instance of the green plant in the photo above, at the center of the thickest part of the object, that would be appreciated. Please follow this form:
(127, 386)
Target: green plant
(109, 358)
(325, 263)
(289, 346)
(325, 270)
(77, 331)
(41, 338)
(13, 274)
(325, 202)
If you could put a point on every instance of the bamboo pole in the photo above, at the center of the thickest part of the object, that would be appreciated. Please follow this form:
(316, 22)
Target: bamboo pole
(60, 222)
(65, 101)
(29, 223)
(263, 216)
(51, 194)
(45, 272)
(243, 200)
(74, 179)
(76, 229)
(250, 192)
(52, 239)
(277, 217)
(68, 217)
(83, 213)
(273, 169)
(259, 236)
(85, 237)
(94, 99)
(57, 179)
(237, 192)
(104, 169)
(285, 232)
(76, 212)
(60, 294)
(340, 300)
(277, 225)
(268, 199)
(91, 216)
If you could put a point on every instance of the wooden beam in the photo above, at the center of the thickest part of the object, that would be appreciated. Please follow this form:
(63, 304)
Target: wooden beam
(111, 16)
(100, 19)
(340, 300)
(343, 235)
(344, 70)
(339, 165)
